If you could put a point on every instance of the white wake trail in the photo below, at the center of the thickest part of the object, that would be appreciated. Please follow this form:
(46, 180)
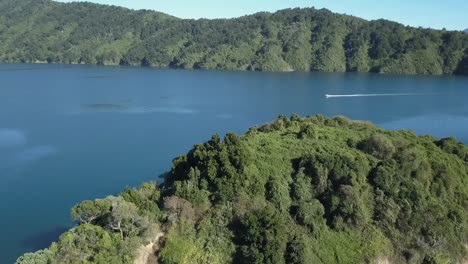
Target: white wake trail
(372, 95)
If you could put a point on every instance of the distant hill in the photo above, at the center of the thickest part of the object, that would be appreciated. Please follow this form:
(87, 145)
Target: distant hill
(466, 30)
(40, 31)
(313, 190)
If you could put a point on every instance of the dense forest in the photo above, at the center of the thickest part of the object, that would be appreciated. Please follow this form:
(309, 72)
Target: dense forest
(44, 31)
(312, 190)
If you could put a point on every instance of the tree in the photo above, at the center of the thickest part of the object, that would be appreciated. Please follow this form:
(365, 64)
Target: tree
(45, 256)
(379, 146)
(89, 244)
(125, 219)
(88, 211)
(310, 214)
(263, 237)
(145, 197)
(179, 209)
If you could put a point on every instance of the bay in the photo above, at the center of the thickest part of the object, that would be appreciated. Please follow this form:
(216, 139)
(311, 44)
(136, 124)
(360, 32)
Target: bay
(70, 133)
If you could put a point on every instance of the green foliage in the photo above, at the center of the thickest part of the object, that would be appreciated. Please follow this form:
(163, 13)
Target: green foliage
(450, 145)
(191, 239)
(264, 237)
(124, 218)
(145, 198)
(89, 211)
(298, 251)
(45, 256)
(90, 244)
(347, 178)
(312, 190)
(289, 40)
(378, 146)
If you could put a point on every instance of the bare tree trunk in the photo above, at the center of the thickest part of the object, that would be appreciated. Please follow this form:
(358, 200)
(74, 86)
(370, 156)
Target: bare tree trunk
(119, 228)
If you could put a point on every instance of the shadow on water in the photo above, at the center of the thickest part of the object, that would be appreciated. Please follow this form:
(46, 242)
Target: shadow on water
(43, 239)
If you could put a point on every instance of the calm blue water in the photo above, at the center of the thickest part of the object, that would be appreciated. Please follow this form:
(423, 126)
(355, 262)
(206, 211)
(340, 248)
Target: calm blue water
(69, 133)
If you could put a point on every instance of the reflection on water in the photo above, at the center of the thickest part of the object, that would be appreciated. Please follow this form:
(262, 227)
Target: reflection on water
(11, 138)
(16, 155)
(35, 153)
(14, 161)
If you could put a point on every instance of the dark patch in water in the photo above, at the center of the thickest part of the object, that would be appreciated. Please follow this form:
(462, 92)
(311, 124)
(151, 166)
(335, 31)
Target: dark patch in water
(43, 239)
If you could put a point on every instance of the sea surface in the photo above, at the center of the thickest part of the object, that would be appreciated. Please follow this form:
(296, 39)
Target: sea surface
(70, 133)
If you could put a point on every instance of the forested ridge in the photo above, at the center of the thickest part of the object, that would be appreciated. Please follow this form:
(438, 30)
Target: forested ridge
(311, 190)
(43, 31)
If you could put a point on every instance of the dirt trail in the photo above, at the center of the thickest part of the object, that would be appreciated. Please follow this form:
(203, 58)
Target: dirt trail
(145, 252)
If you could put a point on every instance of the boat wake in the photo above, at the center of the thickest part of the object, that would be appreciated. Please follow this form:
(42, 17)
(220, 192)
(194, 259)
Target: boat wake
(373, 95)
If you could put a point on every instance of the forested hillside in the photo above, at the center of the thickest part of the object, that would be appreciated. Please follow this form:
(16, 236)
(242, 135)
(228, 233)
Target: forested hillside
(288, 40)
(313, 190)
